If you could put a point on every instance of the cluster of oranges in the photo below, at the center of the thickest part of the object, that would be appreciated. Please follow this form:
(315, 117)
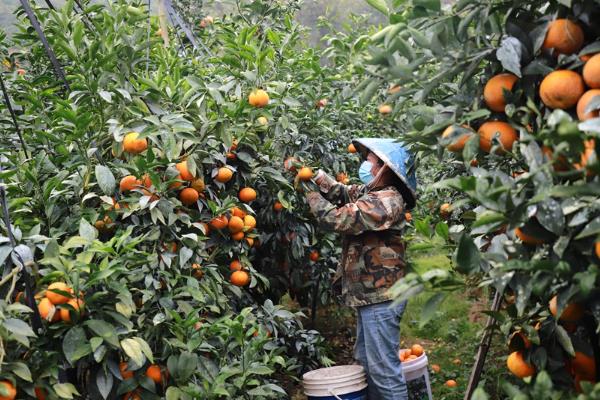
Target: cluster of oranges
(156, 373)
(58, 303)
(415, 351)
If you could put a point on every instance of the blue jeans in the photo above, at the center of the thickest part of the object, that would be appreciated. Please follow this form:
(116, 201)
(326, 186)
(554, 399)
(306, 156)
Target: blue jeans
(376, 349)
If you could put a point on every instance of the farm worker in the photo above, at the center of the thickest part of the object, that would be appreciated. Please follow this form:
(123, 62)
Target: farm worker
(370, 217)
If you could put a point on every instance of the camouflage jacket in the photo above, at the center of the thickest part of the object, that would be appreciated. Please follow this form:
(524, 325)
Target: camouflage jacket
(371, 222)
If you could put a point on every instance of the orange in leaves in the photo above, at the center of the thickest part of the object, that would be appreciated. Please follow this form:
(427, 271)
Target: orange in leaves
(518, 366)
(125, 373)
(583, 103)
(247, 195)
(77, 304)
(408, 216)
(351, 148)
(417, 350)
(528, 239)
(493, 93)
(458, 144)
(584, 366)
(591, 72)
(53, 294)
(436, 368)
(277, 206)
(457, 361)
(451, 383)
(314, 256)
(385, 109)
(219, 222)
(505, 134)
(258, 98)
(342, 177)
(236, 224)
(189, 196)
(198, 185)
(238, 212)
(289, 164)
(305, 174)
(176, 184)
(40, 393)
(198, 273)
(249, 222)
(262, 121)
(235, 265)
(48, 310)
(132, 396)
(240, 278)
(404, 354)
(562, 89)
(224, 175)
(154, 372)
(445, 210)
(133, 145)
(9, 388)
(250, 242)
(128, 183)
(184, 172)
(564, 36)
(597, 249)
(573, 312)
(237, 236)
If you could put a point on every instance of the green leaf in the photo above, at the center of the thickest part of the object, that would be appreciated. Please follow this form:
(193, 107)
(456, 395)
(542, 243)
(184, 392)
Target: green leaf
(379, 5)
(75, 345)
(86, 230)
(442, 230)
(467, 256)
(106, 179)
(105, 330)
(509, 54)
(593, 228)
(133, 349)
(430, 308)
(104, 382)
(18, 327)
(565, 341)
(186, 366)
(21, 370)
(65, 390)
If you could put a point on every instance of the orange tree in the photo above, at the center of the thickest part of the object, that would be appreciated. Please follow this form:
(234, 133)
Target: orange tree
(149, 201)
(505, 94)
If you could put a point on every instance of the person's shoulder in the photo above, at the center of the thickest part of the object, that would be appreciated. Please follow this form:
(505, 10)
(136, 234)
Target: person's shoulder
(388, 194)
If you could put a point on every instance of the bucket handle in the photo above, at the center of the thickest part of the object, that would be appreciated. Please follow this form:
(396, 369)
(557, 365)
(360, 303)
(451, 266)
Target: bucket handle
(332, 392)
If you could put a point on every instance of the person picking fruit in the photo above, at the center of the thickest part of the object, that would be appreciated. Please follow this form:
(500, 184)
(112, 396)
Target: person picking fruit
(371, 218)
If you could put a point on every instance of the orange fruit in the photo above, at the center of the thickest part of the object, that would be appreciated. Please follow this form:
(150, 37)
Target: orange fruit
(305, 174)
(134, 395)
(77, 304)
(189, 196)
(238, 212)
(458, 144)
(384, 109)
(247, 195)
(518, 366)
(573, 312)
(404, 354)
(258, 98)
(393, 89)
(249, 222)
(154, 372)
(314, 256)
(506, 135)
(9, 388)
(451, 383)
(289, 164)
(436, 368)
(240, 278)
(176, 184)
(250, 242)
(583, 103)
(237, 236)
(40, 393)
(235, 265)
(262, 121)
(528, 239)
(48, 310)
(591, 72)
(125, 373)
(417, 350)
(408, 216)
(230, 155)
(342, 178)
(198, 273)
(133, 145)
(457, 361)
(322, 103)
(590, 146)
(597, 249)
(224, 175)
(445, 210)
(584, 365)
(277, 206)
(219, 222)
(560, 164)
(562, 89)
(351, 148)
(184, 172)
(236, 224)
(54, 296)
(128, 183)
(198, 185)
(205, 227)
(564, 36)
(493, 93)
(412, 357)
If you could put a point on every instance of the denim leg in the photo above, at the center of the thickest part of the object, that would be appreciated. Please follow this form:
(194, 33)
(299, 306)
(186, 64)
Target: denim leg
(360, 352)
(381, 330)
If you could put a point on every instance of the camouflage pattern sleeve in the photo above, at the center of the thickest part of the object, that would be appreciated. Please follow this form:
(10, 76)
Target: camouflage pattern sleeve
(335, 191)
(375, 211)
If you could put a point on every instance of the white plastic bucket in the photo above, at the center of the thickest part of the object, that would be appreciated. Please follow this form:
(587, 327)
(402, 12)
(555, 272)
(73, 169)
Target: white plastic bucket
(415, 371)
(343, 382)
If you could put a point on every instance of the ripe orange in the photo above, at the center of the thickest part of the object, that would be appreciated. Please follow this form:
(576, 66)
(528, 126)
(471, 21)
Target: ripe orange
(9, 388)
(247, 195)
(404, 354)
(198, 185)
(184, 172)
(445, 210)
(134, 395)
(518, 366)
(408, 216)
(597, 248)
(77, 304)
(584, 365)
(219, 222)
(562, 89)
(189, 196)
(198, 273)
(493, 93)
(289, 164)
(125, 373)
(262, 121)
(240, 278)
(385, 109)
(506, 135)
(412, 357)
(314, 256)
(573, 312)
(128, 183)
(206, 21)
(53, 294)
(205, 227)
(564, 36)
(560, 164)
(230, 155)
(236, 224)
(305, 174)
(591, 72)
(238, 212)
(250, 242)
(342, 177)
(393, 89)
(48, 310)
(154, 372)
(277, 206)
(235, 265)
(133, 145)
(322, 103)
(458, 144)
(436, 368)
(40, 393)
(590, 150)
(457, 361)
(258, 98)
(249, 222)
(224, 175)
(176, 184)
(351, 148)
(583, 103)
(417, 350)
(528, 239)
(451, 383)
(237, 236)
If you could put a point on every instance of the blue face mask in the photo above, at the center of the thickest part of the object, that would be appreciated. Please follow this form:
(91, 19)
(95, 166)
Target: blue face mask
(364, 172)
